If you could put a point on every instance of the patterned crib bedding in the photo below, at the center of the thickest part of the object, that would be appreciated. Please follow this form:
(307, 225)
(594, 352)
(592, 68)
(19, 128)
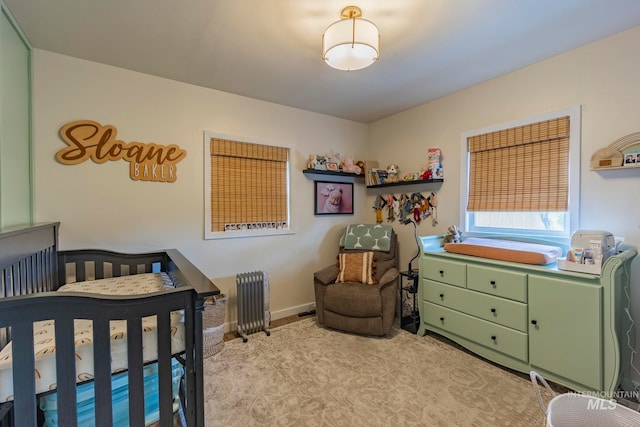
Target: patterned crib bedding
(44, 334)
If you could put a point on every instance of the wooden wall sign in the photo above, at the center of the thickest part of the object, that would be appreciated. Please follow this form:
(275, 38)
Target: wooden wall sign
(87, 139)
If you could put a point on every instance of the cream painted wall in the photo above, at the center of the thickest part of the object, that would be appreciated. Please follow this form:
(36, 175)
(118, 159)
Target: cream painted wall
(602, 77)
(99, 206)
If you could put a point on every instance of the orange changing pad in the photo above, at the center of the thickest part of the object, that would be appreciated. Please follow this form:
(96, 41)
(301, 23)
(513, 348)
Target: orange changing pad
(506, 250)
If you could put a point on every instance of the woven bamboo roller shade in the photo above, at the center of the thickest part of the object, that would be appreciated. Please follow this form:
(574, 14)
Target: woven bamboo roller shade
(248, 183)
(521, 169)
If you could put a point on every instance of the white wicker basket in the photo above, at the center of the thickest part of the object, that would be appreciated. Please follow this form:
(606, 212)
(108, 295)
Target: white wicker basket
(574, 409)
(213, 325)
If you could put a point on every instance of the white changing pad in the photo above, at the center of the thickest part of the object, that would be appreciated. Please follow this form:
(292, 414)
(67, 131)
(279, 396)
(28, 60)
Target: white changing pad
(44, 334)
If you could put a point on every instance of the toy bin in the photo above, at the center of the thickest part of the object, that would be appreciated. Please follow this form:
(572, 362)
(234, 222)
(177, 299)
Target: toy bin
(213, 325)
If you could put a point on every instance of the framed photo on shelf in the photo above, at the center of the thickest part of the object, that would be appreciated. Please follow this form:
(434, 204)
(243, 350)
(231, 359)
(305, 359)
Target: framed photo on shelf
(333, 198)
(630, 159)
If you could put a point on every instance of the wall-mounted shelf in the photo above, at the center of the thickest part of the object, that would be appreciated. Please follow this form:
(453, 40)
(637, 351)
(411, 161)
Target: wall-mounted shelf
(623, 153)
(325, 175)
(606, 168)
(413, 182)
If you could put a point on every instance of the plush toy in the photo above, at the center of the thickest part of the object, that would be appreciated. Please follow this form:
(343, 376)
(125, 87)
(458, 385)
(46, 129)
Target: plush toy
(425, 209)
(397, 208)
(417, 200)
(360, 164)
(404, 205)
(432, 201)
(313, 161)
(378, 204)
(453, 235)
(393, 173)
(426, 172)
(392, 206)
(408, 176)
(350, 167)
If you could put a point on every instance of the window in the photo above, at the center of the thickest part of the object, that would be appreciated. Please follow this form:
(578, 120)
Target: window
(246, 188)
(522, 178)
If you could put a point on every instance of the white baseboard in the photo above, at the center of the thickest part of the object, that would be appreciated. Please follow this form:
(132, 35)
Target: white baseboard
(275, 315)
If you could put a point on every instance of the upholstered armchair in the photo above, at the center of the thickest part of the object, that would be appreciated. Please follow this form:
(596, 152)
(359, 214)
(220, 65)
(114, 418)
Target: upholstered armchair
(360, 297)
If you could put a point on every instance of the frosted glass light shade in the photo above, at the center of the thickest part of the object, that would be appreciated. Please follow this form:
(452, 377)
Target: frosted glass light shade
(351, 44)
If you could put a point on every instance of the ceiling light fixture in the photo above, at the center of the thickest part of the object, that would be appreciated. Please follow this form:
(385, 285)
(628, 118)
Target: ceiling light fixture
(352, 43)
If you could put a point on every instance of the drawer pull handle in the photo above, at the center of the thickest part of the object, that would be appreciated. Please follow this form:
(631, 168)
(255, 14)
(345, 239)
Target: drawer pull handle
(493, 283)
(441, 296)
(442, 319)
(534, 322)
(493, 337)
(493, 310)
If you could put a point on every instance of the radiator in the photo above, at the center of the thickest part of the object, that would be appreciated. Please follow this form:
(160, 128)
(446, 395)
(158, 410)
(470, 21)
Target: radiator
(253, 303)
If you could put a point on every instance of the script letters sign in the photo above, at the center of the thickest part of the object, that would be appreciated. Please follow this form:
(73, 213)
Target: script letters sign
(87, 139)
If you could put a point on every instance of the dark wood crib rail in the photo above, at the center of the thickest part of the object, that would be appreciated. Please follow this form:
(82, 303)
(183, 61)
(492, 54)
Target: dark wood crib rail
(102, 263)
(20, 312)
(31, 267)
(90, 264)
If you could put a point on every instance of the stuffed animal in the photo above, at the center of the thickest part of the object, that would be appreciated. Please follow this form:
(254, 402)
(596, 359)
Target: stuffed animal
(453, 235)
(426, 173)
(378, 204)
(313, 161)
(350, 167)
(417, 200)
(408, 176)
(404, 205)
(392, 207)
(360, 164)
(393, 173)
(432, 201)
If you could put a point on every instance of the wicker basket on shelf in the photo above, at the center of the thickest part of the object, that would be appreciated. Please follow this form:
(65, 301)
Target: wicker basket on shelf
(213, 325)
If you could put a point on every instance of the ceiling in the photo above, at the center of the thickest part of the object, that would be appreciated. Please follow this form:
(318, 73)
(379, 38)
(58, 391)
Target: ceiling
(270, 49)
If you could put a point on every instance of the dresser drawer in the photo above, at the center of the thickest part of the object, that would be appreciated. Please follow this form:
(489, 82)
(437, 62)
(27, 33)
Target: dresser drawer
(502, 283)
(497, 310)
(451, 272)
(487, 334)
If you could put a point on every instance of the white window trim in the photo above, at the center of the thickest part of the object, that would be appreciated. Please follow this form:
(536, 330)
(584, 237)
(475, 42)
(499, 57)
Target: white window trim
(575, 138)
(209, 235)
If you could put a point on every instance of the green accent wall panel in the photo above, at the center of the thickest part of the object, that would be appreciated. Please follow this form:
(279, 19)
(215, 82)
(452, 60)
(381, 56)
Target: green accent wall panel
(15, 125)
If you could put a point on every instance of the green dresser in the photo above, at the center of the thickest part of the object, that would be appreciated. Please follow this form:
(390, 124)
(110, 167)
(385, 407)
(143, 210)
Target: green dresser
(570, 327)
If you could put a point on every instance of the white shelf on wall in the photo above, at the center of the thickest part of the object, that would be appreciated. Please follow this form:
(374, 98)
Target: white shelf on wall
(606, 168)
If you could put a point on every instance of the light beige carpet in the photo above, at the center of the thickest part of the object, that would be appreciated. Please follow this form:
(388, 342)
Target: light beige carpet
(306, 375)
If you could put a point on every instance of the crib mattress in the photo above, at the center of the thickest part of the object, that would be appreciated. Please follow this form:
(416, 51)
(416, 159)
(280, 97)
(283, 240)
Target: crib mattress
(44, 334)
